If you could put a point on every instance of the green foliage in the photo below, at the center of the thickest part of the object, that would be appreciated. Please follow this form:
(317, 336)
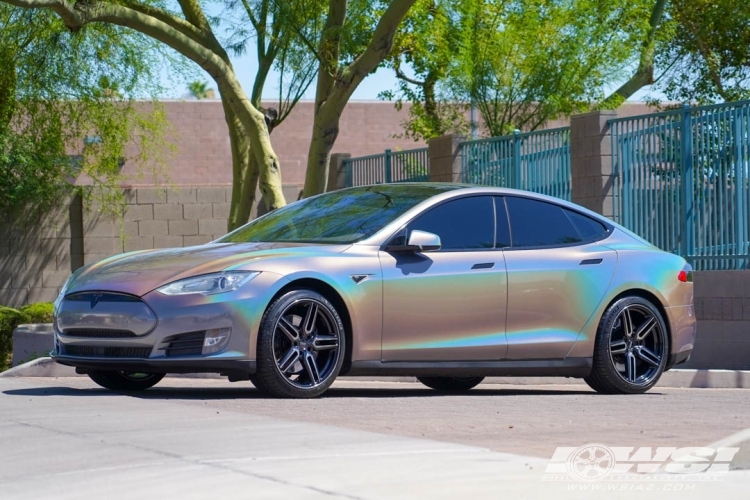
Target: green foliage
(704, 55)
(521, 63)
(41, 312)
(200, 90)
(9, 320)
(68, 110)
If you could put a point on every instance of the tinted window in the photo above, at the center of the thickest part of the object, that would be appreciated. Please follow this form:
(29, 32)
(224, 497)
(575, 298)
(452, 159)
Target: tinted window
(535, 223)
(343, 216)
(587, 227)
(502, 231)
(463, 224)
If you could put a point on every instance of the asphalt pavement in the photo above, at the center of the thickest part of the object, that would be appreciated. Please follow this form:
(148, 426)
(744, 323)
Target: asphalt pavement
(66, 438)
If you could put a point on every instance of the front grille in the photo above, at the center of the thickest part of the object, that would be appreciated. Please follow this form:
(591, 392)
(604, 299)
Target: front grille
(185, 344)
(98, 333)
(86, 351)
(102, 297)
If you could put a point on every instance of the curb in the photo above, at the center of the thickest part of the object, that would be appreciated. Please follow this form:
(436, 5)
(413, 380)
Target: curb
(695, 379)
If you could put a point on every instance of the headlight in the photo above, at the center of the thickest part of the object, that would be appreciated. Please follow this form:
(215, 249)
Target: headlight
(209, 283)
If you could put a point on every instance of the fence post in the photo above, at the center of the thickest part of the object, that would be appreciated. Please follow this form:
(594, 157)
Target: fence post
(686, 180)
(517, 159)
(741, 208)
(445, 158)
(387, 166)
(591, 161)
(339, 172)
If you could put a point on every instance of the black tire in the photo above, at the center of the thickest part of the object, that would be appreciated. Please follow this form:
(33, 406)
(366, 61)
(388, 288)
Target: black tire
(451, 384)
(125, 381)
(281, 374)
(615, 372)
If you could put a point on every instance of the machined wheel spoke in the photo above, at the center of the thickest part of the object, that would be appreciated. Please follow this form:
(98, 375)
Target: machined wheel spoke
(647, 355)
(630, 364)
(289, 359)
(308, 324)
(291, 331)
(311, 368)
(617, 347)
(325, 342)
(627, 323)
(645, 329)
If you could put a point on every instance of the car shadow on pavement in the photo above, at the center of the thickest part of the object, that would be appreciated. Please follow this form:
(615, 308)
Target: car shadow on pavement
(188, 393)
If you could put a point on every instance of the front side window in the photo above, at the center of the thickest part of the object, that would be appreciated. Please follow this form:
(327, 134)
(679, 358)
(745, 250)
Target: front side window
(462, 224)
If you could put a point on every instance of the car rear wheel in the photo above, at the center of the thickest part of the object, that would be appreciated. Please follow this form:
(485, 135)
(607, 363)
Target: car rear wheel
(631, 348)
(301, 346)
(125, 381)
(451, 384)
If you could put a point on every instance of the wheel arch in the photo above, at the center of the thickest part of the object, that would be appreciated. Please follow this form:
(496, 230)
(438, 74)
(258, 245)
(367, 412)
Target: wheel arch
(653, 299)
(333, 296)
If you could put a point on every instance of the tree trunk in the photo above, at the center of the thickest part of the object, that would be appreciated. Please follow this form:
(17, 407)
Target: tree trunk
(245, 172)
(644, 75)
(325, 131)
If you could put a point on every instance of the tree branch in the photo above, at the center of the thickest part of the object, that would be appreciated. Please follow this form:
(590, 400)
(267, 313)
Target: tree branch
(401, 76)
(328, 51)
(378, 49)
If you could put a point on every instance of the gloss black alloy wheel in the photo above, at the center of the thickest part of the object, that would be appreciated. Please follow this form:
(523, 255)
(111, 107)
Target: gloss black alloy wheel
(300, 347)
(632, 347)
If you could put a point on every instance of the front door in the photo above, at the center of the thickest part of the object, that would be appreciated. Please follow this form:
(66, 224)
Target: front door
(447, 305)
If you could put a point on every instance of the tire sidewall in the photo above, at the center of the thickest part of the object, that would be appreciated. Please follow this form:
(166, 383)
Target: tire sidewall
(268, 378)
(602, 359)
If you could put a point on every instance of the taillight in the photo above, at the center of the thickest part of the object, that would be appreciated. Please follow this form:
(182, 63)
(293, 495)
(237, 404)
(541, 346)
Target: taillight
(686, 275)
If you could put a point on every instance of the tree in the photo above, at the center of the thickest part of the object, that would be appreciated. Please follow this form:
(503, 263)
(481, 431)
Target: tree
(426, 46)
(190, 33)
(278, 30)
(200, 90)
(337, 80)
(706, 58)
(63, 113)
(521, 63)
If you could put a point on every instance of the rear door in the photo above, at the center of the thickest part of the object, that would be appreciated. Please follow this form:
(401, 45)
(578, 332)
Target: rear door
(557, 276)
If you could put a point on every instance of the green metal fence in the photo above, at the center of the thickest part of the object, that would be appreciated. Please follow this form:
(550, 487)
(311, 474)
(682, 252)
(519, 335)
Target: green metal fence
(391, 166)
(534, 161)
(681, 181)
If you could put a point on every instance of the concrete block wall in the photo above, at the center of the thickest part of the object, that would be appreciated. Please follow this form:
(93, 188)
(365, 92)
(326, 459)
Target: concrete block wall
(38, 255)
(722, 307)
(158, 218)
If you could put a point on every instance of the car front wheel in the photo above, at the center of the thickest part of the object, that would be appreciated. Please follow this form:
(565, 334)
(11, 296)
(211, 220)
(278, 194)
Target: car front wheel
(125, 381)
(631, 348)
(301, 346)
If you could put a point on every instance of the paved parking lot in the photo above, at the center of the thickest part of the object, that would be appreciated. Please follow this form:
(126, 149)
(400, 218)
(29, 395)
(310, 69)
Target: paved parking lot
(199, 438)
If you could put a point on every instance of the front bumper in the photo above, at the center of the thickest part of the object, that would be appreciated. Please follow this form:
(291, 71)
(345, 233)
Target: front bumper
(108, 332)
(235, 369)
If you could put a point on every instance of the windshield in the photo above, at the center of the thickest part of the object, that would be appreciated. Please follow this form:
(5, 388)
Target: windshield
(338, 217)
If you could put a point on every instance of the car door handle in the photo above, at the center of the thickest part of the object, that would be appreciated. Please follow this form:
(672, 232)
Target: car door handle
(483, 265)
(590, 262)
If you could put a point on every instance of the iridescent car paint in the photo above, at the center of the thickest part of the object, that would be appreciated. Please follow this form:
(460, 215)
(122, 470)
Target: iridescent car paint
(404, 310)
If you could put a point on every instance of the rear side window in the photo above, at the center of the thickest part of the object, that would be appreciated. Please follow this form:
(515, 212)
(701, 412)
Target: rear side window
(588, 228)
(535, 223)
(462, 224)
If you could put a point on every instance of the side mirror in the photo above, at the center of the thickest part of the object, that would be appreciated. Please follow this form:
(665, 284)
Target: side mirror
(419, 241)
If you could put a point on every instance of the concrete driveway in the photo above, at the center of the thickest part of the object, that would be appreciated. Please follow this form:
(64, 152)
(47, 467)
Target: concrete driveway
(192, 438)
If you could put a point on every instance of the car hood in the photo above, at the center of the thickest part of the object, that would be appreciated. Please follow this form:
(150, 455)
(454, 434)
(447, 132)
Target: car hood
(140, 272)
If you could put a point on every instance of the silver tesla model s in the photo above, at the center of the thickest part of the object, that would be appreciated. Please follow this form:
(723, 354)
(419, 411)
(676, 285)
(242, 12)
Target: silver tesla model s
(444, 282)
